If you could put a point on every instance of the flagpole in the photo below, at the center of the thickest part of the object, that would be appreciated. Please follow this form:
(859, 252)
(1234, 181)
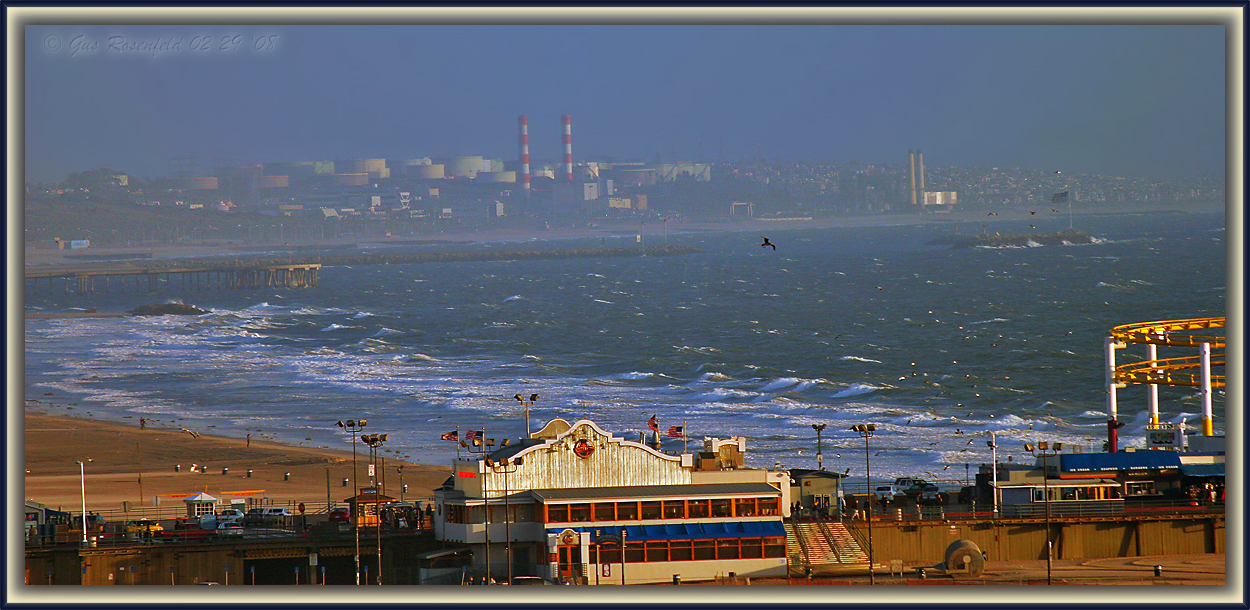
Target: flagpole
(684, 436)
(457, 443)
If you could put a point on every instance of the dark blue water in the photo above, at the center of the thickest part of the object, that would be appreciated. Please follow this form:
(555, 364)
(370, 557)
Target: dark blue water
(837, 326)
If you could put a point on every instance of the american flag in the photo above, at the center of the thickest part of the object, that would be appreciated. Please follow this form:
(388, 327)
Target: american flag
(1059, 197)
(676, 431)
(472, 435)
(654, 425)
(454, 435)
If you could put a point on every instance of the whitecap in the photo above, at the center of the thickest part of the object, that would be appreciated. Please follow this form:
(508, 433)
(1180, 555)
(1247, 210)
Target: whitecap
(362, 314)
(336, 327)
(857, 389)
(387, 331)
(777, 384)
(603, 301)
(857, 358)
(515, 297)
(990, 321)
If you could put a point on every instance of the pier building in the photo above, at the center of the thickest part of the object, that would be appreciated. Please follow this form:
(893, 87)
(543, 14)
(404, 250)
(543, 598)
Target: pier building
(564, 504)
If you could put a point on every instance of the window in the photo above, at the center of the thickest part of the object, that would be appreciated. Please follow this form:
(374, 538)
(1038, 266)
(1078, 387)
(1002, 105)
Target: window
(579, 512)
(634, 552)
(557, 513)
(721, 508)
(727, 548)
(768, 506)
(651, 510)
(745, 507)
(674, 509)
(627, 511)
(698, 509)
(705, 549)
(605, 511)
(609, 553)
(774, 547)
(455, 514)
(657, 550)
(679, 550)
(752, 548)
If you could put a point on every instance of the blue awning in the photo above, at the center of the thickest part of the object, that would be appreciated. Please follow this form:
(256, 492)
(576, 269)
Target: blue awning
(1202, 470)
(1117, 462)
(687, 531)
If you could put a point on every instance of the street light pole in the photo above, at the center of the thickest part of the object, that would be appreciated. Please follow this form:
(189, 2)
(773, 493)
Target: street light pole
(82, 476)
(352, 426)
(1041, 451)
(866, 431)
(507, 517)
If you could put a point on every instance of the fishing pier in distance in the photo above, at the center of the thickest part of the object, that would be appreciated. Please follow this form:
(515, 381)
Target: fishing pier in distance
(192, 277)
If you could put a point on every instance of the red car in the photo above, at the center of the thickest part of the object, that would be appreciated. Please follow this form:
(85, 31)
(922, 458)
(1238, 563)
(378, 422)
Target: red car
(340, 514)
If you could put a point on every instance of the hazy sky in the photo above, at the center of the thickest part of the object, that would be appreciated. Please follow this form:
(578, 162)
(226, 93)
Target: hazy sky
(1123, 100)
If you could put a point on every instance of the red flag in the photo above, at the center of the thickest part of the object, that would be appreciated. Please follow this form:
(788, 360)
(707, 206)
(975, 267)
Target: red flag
(676, 431)
(454, 435)
(654, 425)
(472, 435)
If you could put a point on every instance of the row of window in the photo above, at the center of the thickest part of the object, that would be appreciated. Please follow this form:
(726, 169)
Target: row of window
(690, 550)
(660, 509)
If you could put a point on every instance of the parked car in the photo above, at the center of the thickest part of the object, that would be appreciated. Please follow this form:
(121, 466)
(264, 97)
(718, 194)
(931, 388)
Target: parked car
(888, 492)
(276, 515)
(254, 517)
(341, 513)
(914, 487)
(530, 580)
(143, 528)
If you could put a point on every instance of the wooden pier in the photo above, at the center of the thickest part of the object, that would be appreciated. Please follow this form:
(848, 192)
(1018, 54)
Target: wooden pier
(82, 280)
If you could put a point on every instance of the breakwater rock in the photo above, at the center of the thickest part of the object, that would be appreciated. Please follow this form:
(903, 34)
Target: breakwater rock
(1019, 240)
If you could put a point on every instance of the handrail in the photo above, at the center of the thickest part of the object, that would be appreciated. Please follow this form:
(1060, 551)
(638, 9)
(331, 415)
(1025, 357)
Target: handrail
(1158, 332)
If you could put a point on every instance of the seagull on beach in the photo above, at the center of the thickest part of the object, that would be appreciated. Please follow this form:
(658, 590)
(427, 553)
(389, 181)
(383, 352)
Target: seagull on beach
(767, 244)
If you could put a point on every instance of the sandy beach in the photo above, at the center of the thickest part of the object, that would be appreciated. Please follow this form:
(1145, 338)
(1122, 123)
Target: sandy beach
(126, 459)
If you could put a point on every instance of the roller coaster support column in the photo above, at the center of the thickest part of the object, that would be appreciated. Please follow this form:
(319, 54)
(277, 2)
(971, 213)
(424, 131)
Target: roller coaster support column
(1152, 390)
(1112, 425)
(1205, 353)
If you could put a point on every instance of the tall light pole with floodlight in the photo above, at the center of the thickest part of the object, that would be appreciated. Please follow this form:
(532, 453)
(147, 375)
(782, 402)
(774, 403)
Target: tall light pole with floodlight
(374, 441)
(507, 517)
(353, 426)
(993, 443)
(1044, 452)
(866, 431)
(528, 403)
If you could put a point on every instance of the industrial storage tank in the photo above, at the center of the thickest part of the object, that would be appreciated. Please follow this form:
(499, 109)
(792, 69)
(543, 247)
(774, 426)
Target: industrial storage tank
(496, 177)
(461, 167)
(361, 179)
(426, 172)
(376, 168)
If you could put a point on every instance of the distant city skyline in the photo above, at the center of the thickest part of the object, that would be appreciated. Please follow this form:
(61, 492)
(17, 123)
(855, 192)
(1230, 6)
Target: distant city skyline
(1132, 100)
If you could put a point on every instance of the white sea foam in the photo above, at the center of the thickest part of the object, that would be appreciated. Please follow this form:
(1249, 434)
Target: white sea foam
(515, 297)
(859, 359)
(990, 321)
(857, 389)
(337, 327)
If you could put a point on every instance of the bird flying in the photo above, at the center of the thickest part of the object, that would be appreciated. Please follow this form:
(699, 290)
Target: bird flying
(767, 244)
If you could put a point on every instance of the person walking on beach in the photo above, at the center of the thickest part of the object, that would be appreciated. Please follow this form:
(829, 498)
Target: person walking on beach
(143, 423)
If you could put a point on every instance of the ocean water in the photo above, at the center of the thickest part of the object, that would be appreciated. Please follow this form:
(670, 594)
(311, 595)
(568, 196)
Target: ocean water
(841, 326)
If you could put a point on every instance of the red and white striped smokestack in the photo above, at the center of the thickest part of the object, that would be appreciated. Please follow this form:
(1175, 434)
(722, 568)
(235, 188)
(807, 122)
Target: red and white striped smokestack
(568, 148)
(525, 153)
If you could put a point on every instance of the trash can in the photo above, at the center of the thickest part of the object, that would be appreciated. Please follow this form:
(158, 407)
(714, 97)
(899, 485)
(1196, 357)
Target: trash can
(677, 579)
(249, 473)
(225, 470)
(286, 477)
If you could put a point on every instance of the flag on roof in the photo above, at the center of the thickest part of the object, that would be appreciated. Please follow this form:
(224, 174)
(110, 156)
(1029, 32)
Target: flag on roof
(1059, 197)
(654, 425)
(676, 431)
(454, 435)
(472, 435)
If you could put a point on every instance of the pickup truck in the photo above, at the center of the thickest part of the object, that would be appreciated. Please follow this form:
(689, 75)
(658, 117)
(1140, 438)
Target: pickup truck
(913, 487)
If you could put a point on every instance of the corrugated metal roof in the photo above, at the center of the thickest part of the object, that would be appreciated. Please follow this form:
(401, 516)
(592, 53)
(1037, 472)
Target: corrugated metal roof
(656, 491)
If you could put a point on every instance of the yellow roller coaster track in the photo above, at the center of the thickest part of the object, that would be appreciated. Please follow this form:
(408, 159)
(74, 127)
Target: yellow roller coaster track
(1169, 332)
